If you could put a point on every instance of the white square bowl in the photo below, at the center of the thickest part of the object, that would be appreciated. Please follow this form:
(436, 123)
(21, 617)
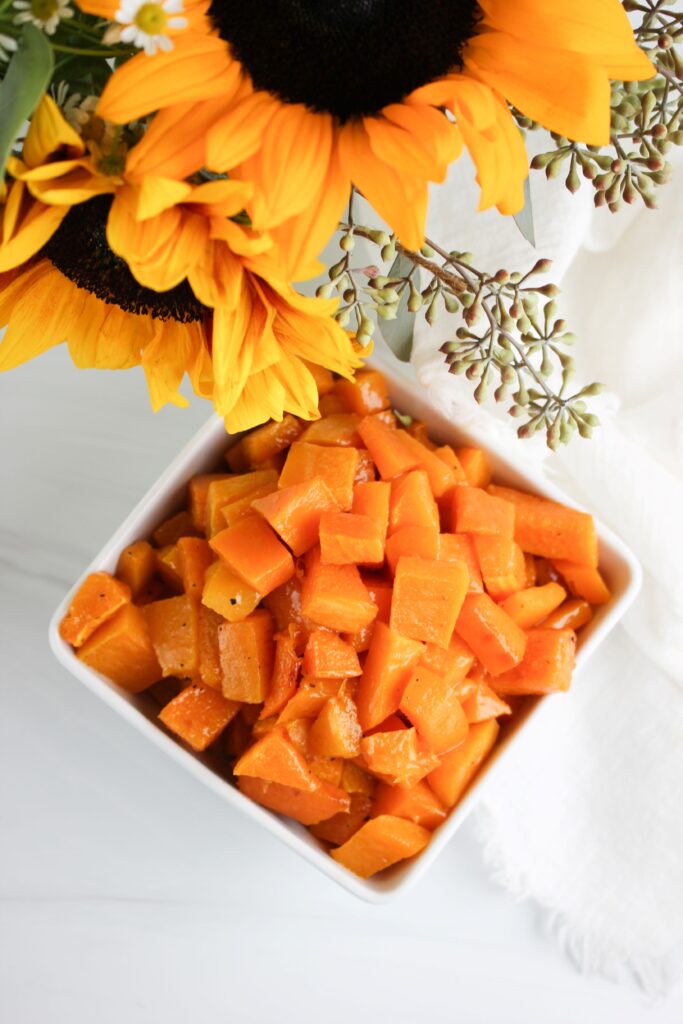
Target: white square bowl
(202, 454)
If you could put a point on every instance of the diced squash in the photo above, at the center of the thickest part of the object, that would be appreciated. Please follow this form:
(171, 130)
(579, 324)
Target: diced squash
(194, 558)
(414, 803)
(459, 547)
(483, 703)
(347, 538)
(121, 650)
(441, 477)
(338, 429)
(389, 454)
(155, 590)
(365, 469)
(229, 489)
(457, 769)
(394, 723)
(237, 510)
(334, 595)
(427, 598)
(210, 671)
(275, 757)
(227, 594)
(330, 404)
(198, 715)
(447, 455)
(309, 699)
(532, 605)
(530, 570)
(381, 842)
(419, 430)
(285, 676)
(356, 780)
(476, 465)
(452, 663)
(174, 630)
(398, 757)
(342, 826)
(136, 566)
(336, 731)
(324, 378)
(364, 395)
(284, 604)
(254, 552)
(167, 566)
(583, 581)
(385, 674)
(307, 807)
(570, 615)
(294, 512)
(337, 467)
(327, 656)
(494, 638)
(99, 597)
(431, 704)
(170, 531)
(372, 499)
(547, 665)
(502, 564)
(247, 653)
(416, 541)
(476, 511)
(329, 769)
(412, 502)
(547, 528)
(546, 572)
(198, 492)
(380, 594)
(263, 443)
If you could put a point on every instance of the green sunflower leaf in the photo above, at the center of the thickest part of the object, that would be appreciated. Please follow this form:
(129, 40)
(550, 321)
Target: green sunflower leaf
(27, 77)
(398, 333)
(525, 218)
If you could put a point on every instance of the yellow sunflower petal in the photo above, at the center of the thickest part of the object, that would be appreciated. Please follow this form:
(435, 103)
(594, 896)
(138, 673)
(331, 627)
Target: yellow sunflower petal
(154, 195)
(418, 140)
(237, 334)
(49, 133)
(33, 233)
(77, 187)
(261, 399)
(165, 359)
(174, 144)
(218, 278)
(300, 389)
(237, 134)
(224, 198)
(34, 308)
(104, 337)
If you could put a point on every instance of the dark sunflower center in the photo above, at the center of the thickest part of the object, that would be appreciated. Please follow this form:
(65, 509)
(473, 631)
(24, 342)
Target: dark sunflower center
(347, 57)
(79, 250)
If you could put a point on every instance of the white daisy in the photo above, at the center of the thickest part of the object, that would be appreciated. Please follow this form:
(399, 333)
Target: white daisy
(146, 23)
(45, 14)
(7, 47)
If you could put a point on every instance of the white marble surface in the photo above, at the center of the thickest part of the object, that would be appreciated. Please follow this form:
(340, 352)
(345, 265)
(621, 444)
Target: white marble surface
(130, 893)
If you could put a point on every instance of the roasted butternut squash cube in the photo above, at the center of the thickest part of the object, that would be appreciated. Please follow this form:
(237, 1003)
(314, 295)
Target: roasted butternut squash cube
(210, 672)
(389, 454)
(194, 558)
(502, 564)
(167, 566)
(411, 541)
(275, 757)
(431, 704)
(583, 581)
(385, 673)
(327, 656)
(549, 529)
(546, 667)
(414, 803)
(483, 703)
(452, 663)
(427, 598)
(254, 552)
(494, 638)
(198, 715)
(247, 652)
(412, 502)
(476, 511)
(335, 465)
(308, 699)
(442, 478)
(121, 649)
(198, 491)
(174, 631)
(398, 756)
(227, 594)
(532, 605)
(372, 499)
(339, 828)
(229, 489)
(170, 531)
(306, 807)
(294, 512)
(99, 597)
(285, 676)
(476, 465)
(347, 538)
(339, 429)
(336, 731)
(457, 769)
(459, 547)
(263, 443)
(136, 566)
(365, 394)
(571, 615)
(334, 595)
(381, 842)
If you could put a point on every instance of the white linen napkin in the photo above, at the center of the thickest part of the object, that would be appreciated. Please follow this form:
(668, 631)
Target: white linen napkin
(588, 819)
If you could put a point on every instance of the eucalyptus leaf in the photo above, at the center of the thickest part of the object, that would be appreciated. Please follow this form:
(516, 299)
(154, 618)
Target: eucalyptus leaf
(525, 218)
(398, 333)
(27, 77)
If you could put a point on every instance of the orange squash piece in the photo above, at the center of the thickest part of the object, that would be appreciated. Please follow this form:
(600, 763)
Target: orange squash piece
(171, 530)
(356, 780)
(381, 842)
(380, 593)
(583, 581)
(414, 803)
(136, 566)
(227, 594)
(254, 552)
(237, 510)
(346, 538)
(366, 394)
(502, 564)
(198, 715)
(198, 490)
(308, 699)
(476, 466)
(275, 758)
(385, 674)
(493, 637)
(284, 604)
(476, 511)
(427, 598)
(99, 597)
(412, 502)
(294, 512)
(168, 568)
(452, 663)
(342, 826)
(447, 455)
(389, 454)
(459, 547)
(415, 541)
(457, 769)
(338, 429)
(431, 704)
(121, 650)
(441, 477)
(484, 703)
(398, 757)
(285, 675)
(334, 596)
(210, 671)
(365, 469)
(194, 558)
(530, 570)
(372, 499)
(327, 656)
(263, 443)
(337, 467)
(570, 615)
(174, 631)
(330, 404)
(229, 489)
(547, 665)
(307, 807)
(247, 653)
(532, 605)
(549, 529)
(336, 731)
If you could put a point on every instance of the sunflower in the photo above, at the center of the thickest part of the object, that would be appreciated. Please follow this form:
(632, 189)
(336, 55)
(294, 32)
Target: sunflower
(302, 99)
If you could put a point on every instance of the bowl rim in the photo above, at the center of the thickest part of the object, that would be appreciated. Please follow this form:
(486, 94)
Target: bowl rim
(172, 480)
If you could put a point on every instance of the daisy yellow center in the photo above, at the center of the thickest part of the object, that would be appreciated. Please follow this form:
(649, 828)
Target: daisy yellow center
(43, 10)
(347, 57)
(151, 18)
